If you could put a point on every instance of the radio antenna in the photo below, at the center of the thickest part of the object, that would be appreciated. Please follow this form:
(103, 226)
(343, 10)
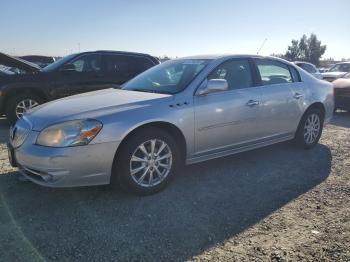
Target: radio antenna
(262, 45)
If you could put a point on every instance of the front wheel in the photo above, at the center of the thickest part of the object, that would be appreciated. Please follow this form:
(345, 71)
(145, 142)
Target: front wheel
(310, 129)
(17, 106)
(146, 162)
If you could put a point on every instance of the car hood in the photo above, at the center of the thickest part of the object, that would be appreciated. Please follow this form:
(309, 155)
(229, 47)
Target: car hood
(10, 61)
(89, 105)
(333, 74)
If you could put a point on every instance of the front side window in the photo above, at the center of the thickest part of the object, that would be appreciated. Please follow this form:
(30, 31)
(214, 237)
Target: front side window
(236, 72)
(170, 77)
(273, 72)
(87, 63)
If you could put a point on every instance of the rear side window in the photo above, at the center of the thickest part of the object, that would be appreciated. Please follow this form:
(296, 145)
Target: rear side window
(295, 74)
(273, 72)
(308, 68)
(127, 66)
(236, 72)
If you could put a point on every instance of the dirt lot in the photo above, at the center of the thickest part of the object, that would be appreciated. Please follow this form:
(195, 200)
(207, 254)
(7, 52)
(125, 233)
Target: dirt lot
(278, 203)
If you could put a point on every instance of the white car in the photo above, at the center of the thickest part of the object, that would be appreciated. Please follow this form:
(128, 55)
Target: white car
(310, 68)
(337, 71)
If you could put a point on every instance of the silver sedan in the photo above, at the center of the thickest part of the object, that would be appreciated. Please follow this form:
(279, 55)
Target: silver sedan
(180, 112)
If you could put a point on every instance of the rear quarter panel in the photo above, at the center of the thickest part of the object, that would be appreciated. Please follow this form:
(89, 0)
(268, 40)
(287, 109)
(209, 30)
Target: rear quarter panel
(318, 91)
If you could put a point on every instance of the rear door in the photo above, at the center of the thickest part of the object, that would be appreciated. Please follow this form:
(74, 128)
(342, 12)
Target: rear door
(231, 118)
(121, 68)
(282, 97)
(87, 76)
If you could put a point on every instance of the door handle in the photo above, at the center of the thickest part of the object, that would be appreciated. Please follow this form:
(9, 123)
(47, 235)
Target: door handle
(252, 103)
(297, 96)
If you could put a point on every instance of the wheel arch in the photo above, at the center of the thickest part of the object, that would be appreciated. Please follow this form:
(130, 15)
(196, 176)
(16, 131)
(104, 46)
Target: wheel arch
(171, 128)
(11, 92)
(315, 105)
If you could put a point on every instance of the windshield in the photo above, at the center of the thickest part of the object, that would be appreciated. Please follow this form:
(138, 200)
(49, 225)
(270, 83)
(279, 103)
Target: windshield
(170, 77)
(340, 68)
(58, 63)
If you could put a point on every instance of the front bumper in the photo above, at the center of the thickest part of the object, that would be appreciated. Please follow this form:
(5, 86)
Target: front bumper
(66, 167)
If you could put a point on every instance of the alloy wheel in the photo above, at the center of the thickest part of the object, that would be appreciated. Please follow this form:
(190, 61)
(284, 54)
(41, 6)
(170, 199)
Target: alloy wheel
(24, 105)
(312, 128)
(151, 163)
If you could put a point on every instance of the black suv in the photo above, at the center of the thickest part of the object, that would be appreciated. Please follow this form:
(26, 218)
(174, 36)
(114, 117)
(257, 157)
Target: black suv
(30, 86)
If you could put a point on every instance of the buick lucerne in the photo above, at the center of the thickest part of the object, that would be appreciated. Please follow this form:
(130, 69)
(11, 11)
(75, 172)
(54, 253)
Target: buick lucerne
(180, 112)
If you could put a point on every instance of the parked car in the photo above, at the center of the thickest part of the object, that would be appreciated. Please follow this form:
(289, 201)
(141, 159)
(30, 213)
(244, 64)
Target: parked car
(337, 71)
(40, 60)
(182, 111)
(342, 92)
(310, 68)
(73, 74)
(16, 66)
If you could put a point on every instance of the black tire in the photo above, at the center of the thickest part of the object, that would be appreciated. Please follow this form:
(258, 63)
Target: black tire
(121, 173)
(14, 101)
(300, 138)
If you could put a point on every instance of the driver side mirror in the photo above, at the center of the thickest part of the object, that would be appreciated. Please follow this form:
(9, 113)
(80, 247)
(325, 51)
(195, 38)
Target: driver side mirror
(68, 68)
(213, 86)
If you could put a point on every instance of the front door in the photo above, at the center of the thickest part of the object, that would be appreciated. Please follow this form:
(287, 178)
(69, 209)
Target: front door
(87, 76)
(227, 119)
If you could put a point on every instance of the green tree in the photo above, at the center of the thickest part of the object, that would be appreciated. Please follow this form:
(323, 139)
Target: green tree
(307, 49)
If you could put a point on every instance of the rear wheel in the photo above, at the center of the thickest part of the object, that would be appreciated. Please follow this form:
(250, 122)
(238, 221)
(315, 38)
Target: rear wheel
(146, 162)
(17, 106)
(310, 129)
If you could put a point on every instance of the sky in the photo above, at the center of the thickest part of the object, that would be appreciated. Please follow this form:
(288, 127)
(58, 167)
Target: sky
(175, 28)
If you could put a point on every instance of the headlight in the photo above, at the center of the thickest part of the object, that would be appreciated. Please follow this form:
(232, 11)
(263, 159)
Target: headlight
(70, 133)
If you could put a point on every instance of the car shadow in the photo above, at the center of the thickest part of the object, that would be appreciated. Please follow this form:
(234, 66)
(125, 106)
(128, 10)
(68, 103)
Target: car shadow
(206, 204)
(341, 119)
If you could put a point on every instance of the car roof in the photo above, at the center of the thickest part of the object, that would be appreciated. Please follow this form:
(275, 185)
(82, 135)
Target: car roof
(303, 62)
(114, 52)
(228, 56)
(218, 56)
(110, 52)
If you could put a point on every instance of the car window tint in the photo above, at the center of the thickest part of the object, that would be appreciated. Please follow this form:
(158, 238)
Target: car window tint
(236, 72)
(309, 68)
(273, 72)
(295, 74)
(127, 66)
(87, 63)
(340, 68)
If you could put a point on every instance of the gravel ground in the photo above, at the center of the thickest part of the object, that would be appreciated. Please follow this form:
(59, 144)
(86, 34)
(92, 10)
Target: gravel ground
(278, 203)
